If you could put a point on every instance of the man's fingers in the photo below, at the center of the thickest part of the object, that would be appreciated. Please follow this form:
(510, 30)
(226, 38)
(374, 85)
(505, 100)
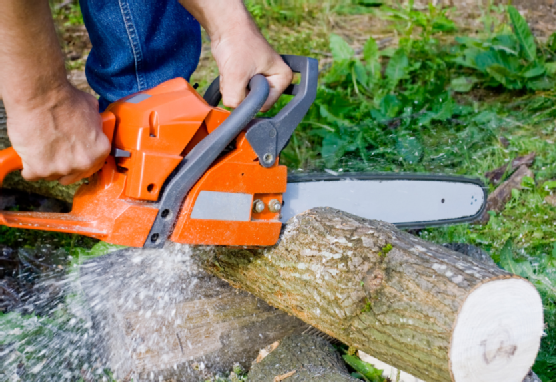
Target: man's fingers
(234, 94)
(70, 179)
(233, 89)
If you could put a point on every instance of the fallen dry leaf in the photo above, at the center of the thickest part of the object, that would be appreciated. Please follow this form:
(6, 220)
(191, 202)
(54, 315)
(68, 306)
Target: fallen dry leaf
(551, 199)
(498, 199)
(266, 351)
(495, 176)
(284, 376)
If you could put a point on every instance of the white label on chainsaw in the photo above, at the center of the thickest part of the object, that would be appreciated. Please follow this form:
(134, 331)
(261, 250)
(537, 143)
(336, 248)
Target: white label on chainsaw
(212, 205)
(393, 201)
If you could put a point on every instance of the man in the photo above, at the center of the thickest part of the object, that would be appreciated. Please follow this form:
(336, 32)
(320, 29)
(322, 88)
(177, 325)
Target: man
(137, 44)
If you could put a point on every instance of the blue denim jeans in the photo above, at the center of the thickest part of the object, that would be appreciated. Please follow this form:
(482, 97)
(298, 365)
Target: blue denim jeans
(138, 44)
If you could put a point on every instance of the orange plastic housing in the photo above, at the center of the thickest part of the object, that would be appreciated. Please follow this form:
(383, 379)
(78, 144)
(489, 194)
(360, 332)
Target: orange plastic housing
(151, 132)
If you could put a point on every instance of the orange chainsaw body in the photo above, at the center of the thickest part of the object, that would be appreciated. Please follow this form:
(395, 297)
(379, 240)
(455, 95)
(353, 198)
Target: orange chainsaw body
(151, 133)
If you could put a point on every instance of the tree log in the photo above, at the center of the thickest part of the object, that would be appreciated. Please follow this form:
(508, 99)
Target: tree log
(157, 316)
(427, 310)
(302, 358)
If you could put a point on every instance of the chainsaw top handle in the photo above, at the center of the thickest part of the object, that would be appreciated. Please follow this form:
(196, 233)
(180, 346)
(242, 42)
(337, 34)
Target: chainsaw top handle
(200, 158)
(268, 137)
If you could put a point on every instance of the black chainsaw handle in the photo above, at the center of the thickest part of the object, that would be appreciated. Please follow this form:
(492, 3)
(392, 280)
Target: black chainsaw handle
(268, 137)
(200, 158)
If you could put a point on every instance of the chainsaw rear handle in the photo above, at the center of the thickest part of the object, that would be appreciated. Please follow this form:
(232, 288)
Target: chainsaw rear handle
(200, 158)
(9, 161)
(268, 137)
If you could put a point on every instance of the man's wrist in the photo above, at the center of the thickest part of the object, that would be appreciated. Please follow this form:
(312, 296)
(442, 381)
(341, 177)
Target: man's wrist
(221, 18)
(238, 23)
(39, 94)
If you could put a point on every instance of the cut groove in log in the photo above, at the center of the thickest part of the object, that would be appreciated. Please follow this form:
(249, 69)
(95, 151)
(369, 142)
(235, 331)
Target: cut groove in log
(401, 305)
(493, 340)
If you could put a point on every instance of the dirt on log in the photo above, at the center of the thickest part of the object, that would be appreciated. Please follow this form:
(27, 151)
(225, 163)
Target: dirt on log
(420, 307)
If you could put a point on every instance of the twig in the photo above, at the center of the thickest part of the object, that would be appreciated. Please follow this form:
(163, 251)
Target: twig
(10, 291)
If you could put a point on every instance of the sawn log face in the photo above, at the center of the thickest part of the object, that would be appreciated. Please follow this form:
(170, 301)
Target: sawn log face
(157, 316)
(337, 272)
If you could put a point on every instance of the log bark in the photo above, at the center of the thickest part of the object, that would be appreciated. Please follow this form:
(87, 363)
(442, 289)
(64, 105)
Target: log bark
(158, 317)
(435, 313)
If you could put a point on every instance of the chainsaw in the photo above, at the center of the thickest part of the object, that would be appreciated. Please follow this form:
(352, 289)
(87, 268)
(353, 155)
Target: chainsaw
(185, 170)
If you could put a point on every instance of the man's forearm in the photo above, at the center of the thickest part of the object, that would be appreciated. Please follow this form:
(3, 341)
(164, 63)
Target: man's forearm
(219, 17)
(31, 63)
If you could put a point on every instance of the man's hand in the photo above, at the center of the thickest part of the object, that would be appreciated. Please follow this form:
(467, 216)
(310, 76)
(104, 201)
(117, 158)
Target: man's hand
(55, 128)
(239, 50)
(61, 138)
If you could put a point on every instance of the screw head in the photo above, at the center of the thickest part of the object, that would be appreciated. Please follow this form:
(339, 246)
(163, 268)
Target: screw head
(268, 158)
(274, 205)
(258, 206)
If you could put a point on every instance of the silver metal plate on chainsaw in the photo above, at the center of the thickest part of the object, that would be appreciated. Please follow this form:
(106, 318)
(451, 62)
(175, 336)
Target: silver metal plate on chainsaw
(138, 98)
(402, 202)
(212, 205)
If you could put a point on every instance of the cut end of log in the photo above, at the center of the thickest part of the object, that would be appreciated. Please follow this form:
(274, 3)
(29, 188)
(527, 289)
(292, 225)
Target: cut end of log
(497, 333)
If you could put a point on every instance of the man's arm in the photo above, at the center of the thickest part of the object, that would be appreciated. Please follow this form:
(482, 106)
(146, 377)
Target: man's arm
(55, 128)
(239, 49)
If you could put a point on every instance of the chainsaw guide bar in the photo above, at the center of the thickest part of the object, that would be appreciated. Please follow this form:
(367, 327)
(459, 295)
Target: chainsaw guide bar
(405, 200)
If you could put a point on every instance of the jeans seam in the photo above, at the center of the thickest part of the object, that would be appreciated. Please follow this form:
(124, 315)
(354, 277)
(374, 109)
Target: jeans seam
(135, 43)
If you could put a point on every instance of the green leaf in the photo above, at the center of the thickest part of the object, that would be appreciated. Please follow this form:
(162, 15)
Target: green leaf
(370, 50)
(397, 68)
(507, 43)
(523, 34)
(528, 183)
(445, 111)
(371, 54)
(542, 83)
(485, 60)
(507, 257)
(409, 148)
(390, 105)
(504, 76)
(338, 71)
(463, 84)
(550, 67)
(551, 43)
(549, 186)
(534, 70)
(368, 371)
(443, 24)
(333, 148)
(361, 73)
(340, 49)
(388, 52)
